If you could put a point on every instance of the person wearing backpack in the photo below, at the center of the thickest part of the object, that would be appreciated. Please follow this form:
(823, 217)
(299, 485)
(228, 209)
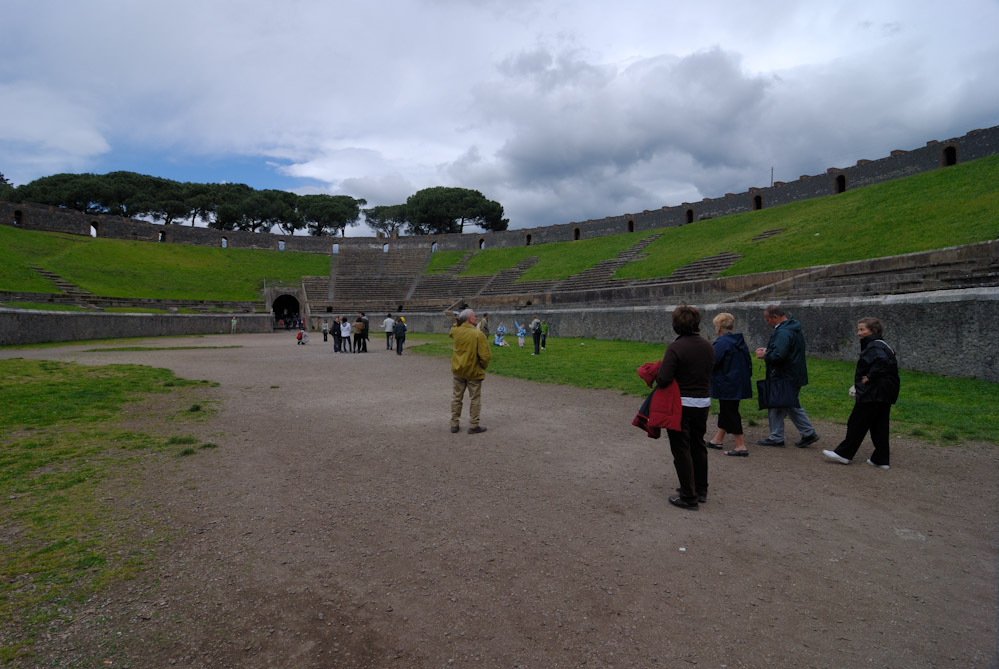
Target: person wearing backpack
(536, 334)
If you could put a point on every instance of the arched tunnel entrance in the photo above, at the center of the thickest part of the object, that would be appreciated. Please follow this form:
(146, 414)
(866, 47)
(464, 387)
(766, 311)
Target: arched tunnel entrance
(286, 311)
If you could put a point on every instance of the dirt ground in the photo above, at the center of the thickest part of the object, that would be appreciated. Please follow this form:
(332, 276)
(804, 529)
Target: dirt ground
(341, 524)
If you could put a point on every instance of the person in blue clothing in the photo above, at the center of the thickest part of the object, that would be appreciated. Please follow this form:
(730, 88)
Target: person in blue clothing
(731, 382)
(784, 356)
(521, 332)
(500, 334)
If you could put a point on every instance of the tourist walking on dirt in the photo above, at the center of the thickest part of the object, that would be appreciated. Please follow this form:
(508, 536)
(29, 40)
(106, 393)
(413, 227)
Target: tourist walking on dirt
(875, 387)
(345, 333)
(399, 331)
(468, 367)
(731, 382)
(365, 333)
(785, 360)
(387, 325)
(688, 361)
(536, 334)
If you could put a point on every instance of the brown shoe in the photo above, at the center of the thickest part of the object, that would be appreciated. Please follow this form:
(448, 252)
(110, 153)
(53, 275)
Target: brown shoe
(476, 430)
(454, 428)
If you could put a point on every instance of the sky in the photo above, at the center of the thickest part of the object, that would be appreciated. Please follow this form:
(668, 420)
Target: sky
(561, 111)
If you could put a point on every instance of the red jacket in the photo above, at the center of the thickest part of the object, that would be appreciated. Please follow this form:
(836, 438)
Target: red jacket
(662, 409)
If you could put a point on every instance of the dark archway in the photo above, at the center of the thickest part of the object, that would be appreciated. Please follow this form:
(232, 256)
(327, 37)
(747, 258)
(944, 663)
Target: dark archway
(18, 217)
(93, 229)
(690, 215)
(575, 234)
(841, 183)
(528, 239)
(161, 236)
(285, 307)
(950, 156)
(757, 202)
(631, 226)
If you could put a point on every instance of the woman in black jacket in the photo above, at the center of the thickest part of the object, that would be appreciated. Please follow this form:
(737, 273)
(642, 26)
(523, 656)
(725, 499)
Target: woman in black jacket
(876, 386)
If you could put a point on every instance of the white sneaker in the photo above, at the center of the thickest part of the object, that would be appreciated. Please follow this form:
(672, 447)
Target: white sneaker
(874, 465)
(832, 455)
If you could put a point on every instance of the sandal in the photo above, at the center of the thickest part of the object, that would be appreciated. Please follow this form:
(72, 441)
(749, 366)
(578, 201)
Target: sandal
(737, 452)
(711, 444)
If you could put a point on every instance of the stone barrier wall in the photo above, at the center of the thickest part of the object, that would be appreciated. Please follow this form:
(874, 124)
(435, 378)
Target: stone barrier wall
(32, 327)
(944, 332)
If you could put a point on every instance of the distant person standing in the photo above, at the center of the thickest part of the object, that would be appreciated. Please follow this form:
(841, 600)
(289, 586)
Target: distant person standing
(345, 332)
(785, 359)
(544, 334)
(326, 330)
(468, 368)
(875, 387)
(233, 331)
(337, 337)
(536, 334)
(521, 332)
(388, 326)
(358, 329)
(484, 325)
(399, 330)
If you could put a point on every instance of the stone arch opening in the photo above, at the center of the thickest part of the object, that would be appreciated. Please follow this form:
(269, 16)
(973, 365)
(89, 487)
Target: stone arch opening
(161, 236)
(482, 244)
(631, 226)
(757, 202)
(18, 217)
(384, 248)
(433, 247)
(93, 229)
(280, 245)
(841, 183)
(285, 309)
(690, 215)
(336, 249)
(575, 234)
(225, 242)
(528, 239)
(949, 156)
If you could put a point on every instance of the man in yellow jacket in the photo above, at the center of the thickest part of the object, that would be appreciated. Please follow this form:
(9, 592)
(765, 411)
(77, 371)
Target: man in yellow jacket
(468, 366)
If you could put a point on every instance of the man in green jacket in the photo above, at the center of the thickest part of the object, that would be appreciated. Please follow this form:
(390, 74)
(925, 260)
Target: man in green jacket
(468, 366)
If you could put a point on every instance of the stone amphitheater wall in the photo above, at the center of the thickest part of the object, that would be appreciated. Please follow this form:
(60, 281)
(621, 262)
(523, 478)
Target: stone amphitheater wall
(975, 144)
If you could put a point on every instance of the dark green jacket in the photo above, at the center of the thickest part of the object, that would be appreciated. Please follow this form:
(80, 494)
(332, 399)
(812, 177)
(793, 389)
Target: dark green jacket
(785, 356)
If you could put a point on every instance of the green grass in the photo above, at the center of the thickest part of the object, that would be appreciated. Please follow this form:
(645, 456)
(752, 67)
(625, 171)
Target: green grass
(931, 407)
(937, 209)
(61, 449)
(44, 306)
(118, 268)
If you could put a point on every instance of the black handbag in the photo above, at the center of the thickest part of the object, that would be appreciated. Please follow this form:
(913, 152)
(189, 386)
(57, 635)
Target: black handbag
(777, 394)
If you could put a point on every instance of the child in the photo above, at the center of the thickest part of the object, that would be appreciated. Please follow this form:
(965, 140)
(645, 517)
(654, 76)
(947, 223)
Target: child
(500, 333)
(521, 332)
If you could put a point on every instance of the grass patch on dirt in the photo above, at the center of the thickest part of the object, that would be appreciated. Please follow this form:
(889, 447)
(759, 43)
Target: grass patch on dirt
(44, 306)
(62, 445)
(931, 407)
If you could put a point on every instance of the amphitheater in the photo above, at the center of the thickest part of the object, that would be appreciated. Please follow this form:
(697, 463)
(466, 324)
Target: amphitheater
(920, 295)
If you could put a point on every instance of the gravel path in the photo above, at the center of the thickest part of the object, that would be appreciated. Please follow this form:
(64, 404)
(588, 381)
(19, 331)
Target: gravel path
(340, 523)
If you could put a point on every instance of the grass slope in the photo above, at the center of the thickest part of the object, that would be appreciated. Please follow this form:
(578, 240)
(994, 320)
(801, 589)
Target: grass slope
(117, 268)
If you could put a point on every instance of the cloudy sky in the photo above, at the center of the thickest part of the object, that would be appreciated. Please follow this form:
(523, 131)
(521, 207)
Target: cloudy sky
(561, 111)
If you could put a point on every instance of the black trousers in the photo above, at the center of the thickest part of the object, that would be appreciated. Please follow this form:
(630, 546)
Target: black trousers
(399, 341)
(690, 455)
(867, 417)
(729, 418)
(537, 342)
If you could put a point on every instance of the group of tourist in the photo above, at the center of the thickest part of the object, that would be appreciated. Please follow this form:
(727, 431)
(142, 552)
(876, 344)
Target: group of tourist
(702, 371)
(353, 336)
(693, 371)
(538, 328)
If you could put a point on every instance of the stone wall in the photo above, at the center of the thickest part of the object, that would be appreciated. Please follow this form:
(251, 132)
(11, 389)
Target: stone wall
(975, 144)
(32, 327)
(944, 332)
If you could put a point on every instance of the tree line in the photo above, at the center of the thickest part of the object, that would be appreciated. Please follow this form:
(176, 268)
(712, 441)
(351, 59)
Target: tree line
(229, 206)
